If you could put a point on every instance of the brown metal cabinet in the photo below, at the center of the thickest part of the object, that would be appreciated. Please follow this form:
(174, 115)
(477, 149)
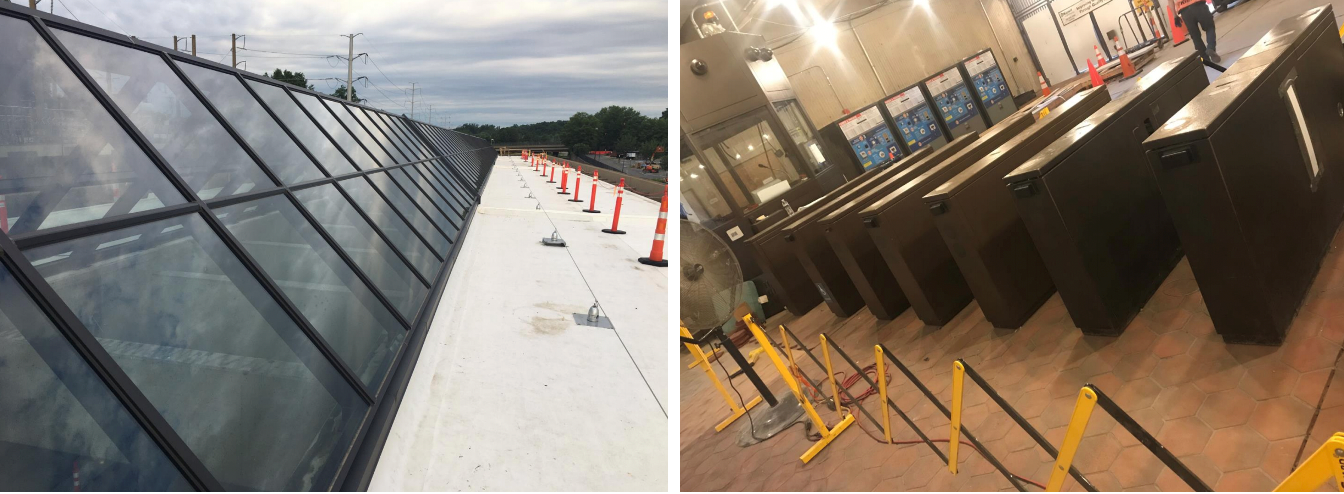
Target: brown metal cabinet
(904, 233)
(974, 213)
(855, 249)
(808, 242)
(1092, 207)
(1251, 173)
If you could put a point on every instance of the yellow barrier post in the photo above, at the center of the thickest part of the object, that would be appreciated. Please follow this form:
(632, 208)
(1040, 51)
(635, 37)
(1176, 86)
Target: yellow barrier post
(709, 371)
(830, 374)
(882, 388)
(1327, 461)
(1082, 411)
(958, 373)
(827, 434)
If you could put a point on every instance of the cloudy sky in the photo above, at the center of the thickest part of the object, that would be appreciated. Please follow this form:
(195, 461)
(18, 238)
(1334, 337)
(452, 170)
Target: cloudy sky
(500, 62)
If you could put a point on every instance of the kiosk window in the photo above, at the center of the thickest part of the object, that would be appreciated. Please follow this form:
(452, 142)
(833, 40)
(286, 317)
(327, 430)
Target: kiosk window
(755, 165)
(698, 190)
(791, 113)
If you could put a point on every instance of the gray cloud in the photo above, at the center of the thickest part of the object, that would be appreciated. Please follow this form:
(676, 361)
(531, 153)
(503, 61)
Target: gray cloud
(501, 62)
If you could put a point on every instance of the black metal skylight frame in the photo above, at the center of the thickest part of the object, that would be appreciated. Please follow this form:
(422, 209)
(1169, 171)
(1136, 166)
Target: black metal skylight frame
(456, 157)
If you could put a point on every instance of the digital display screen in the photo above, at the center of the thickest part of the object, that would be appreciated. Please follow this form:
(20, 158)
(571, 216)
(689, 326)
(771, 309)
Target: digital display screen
(914, 119)
(952, 97)
(870, 139)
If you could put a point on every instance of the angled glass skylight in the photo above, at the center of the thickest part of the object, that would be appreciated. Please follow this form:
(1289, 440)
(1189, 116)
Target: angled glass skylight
(341, 307)
(370, 135)
(59, 424)
(63, 158)
(429, 200)
(404, 142)
(170, 116)
(323, 117)
(250, 119)
(218, 357)
(398, 231)
(378, 259)
(423, 221)
(327, 154)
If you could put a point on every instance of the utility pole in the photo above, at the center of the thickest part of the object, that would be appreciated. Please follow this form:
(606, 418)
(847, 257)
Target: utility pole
(174, 43)
(350, 68)
(193, 45)
(412, 101)
(234, 50)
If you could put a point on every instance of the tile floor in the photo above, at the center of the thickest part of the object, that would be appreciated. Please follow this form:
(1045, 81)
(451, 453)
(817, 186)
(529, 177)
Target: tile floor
(1241, 417)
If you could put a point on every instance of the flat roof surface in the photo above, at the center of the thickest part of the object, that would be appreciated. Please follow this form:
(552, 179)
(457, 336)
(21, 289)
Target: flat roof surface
(509, 393)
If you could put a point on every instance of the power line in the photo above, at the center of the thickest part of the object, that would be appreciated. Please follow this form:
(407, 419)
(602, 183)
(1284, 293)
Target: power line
(375, 64)
(67, 9)
(114, 21)
(367, 83)
(314, 55)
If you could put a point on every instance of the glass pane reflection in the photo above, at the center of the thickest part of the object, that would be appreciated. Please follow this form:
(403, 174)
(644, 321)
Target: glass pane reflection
(338, 133)
(63, 159)
(347, 313)
(407, 207)
(410, 178)
(397, 231)
(252, 122)
(170, 116)
(303, 128)
(374, 256)
(57, 418)
(234, 376)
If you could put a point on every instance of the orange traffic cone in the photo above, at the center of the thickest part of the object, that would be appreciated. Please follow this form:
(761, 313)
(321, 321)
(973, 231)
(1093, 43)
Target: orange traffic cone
(1096, 78)
(1045, 90)
(1178, 35)
(1100, 59)
(1125, 65)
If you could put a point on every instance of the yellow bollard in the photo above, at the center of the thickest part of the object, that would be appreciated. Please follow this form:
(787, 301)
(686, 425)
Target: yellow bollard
(835, 390)
(827, 434)
(882, 388)
(700, 360)
(1327, 461)
(1082, 411)
(954, 439)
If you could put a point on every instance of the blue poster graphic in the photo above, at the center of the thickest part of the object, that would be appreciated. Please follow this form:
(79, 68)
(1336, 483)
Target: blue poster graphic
(956, 105)
(875, 148)
(991, 86)
(914, 119)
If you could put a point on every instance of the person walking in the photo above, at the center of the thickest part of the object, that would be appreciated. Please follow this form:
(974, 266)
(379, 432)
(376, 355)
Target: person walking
(1196, 16)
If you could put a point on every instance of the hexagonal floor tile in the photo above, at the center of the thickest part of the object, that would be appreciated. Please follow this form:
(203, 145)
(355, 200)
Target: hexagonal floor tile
(1281, 418)
(1236, 448)
(1226, 409)
(1185, 436)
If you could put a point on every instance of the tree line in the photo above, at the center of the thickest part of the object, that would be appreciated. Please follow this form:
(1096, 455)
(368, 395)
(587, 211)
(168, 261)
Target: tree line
(619, 129)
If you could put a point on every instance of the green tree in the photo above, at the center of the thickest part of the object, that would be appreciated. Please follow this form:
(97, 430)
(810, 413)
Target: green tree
(295, 78)
(340, 94)
(614, 122)
(582, 129)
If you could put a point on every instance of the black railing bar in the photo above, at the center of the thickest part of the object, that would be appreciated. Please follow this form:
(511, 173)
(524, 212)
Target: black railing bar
(939, 452)
(842, 389)
(1148, 441)
(1022, 422)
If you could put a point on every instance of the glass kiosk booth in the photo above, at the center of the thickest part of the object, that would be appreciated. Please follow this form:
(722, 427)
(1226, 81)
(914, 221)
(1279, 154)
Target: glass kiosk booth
(747, 149)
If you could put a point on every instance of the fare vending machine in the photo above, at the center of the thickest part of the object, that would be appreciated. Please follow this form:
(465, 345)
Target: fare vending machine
(870, 138)
(914, 120)
(954, 103)
(987, 81)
